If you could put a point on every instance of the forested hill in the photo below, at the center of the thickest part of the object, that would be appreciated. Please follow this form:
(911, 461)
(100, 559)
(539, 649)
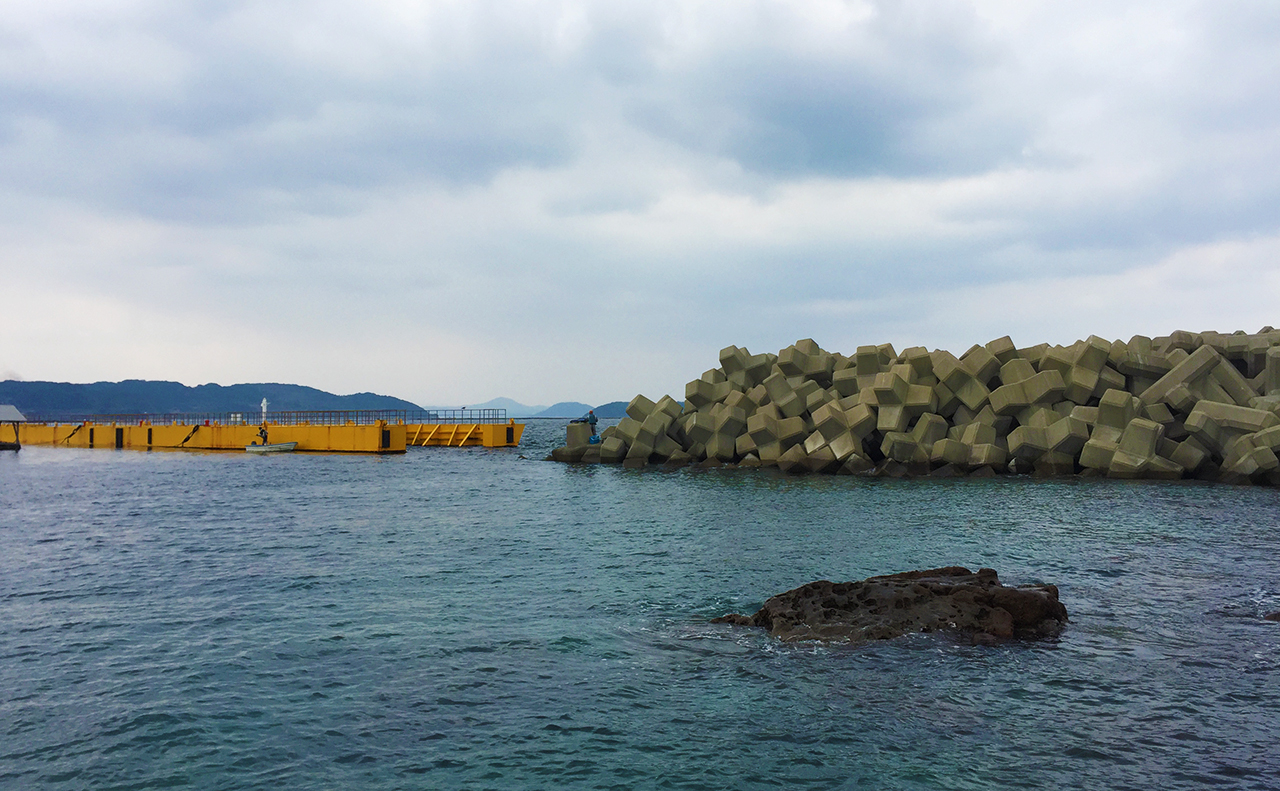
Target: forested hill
(134, 396)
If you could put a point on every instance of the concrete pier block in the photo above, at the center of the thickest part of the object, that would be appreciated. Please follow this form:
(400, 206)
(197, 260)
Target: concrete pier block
(612, 451)
(867, 361)
(640, 408)
(1140, 438)
(669, 406)
(1196, 365)
(861, 420)
(1057, 358)
(1016, 370)
(808, 346)
(857, 464)
(790, 405)
(722, 447)
(758, 395)
(972, 393)
(981, 363)
(919, 360)
(1157, 412)
(769, 453)
(1053, 464)
(892, 418)
(829, 420)
(740, 400)
(1009, 399)
(791, 431)
(1038, 416)
(1097, 453)
(890, 389)
(666, 448)
(1269, 438)
(639, 452)
(577, 435)
(1089, 414)
(627, 428)
(1002, 349)
(1151, 365)
(699, 428)
(762, 428)
(731, 421)
(653, 427)
(814, 441)
(1045, 387)
(1109, 379)
(929, 429)
(976, 433)
(1255, 462)
(899, 446)
(949, 451)
(1116, 409)
(1081, 383)
(701, 393)
(845, 381)
(988, 455)
(792, 361)
(1033, 353)
(1028, 442)
(1234, 383)
(844, 445)
(1189, 454)
(1271, 372)
(949, 369)
(816, 399)
(792, 460)
(1067, 436)
(1093, 354)
(822, 460)
(569, 454)
(1236, 418)
(920, 399)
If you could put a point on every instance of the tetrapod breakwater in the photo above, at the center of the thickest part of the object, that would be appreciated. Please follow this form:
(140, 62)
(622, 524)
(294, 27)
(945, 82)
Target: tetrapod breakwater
(1200, 405)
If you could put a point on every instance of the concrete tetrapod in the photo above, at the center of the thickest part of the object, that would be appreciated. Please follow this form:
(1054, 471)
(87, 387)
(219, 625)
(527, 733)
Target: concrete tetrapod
(1185, 404)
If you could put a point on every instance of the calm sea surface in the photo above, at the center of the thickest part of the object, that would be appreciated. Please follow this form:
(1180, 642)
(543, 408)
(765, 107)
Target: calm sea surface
(475, 619)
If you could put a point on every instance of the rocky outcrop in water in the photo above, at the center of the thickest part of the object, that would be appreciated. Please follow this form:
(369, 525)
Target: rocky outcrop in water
(1203, 405)
(881, 608)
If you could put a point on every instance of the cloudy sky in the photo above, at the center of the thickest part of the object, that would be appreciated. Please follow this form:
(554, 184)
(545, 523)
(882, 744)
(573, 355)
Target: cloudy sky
(452, 201)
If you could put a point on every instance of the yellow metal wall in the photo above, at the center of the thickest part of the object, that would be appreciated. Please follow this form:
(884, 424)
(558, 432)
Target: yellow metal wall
(344, 439)
(456, 435)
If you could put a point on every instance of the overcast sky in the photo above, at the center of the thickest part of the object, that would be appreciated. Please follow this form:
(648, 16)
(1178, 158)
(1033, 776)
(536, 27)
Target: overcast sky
(453, 201)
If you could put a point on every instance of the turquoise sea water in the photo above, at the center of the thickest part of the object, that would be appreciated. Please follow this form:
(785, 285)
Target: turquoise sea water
(472, 619)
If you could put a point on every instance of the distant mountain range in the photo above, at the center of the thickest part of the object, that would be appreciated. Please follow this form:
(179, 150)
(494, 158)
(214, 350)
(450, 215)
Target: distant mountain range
(139, 396)
(569, 409)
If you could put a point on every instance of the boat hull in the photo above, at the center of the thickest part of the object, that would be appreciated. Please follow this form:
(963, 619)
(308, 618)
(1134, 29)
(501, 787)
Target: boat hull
(274, 447)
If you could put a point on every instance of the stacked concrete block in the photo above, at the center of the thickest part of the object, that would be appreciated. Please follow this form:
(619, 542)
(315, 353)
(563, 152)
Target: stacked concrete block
(577, 435)
(1175, 405)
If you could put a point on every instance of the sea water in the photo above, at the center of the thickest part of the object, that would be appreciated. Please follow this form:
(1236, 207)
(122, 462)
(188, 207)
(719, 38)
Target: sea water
(484, 619)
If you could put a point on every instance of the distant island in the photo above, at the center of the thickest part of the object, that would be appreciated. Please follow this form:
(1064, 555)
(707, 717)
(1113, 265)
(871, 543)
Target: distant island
(140, 396)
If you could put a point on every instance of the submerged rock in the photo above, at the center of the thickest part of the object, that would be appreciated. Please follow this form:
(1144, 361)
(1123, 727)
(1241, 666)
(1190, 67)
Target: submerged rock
(881, 608)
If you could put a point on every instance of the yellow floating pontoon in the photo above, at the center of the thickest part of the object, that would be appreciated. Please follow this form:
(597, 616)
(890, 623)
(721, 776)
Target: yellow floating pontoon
(359, 431)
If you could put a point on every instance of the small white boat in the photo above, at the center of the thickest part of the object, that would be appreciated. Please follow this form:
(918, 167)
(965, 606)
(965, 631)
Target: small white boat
(274, 447)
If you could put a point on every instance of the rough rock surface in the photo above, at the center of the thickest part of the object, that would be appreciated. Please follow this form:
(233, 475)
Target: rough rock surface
(881, 608)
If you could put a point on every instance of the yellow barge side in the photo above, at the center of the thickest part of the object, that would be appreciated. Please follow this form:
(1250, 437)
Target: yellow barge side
(380, 437)
(377, 437)
(458, 435)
